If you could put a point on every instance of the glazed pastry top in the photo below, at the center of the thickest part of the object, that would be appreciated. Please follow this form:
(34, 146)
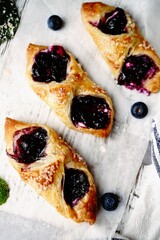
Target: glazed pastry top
(132, 60)
(59, 80)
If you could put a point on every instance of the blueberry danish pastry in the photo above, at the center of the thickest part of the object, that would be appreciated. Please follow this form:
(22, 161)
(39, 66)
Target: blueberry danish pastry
(52, 168)
(59, 80)
(132, 60)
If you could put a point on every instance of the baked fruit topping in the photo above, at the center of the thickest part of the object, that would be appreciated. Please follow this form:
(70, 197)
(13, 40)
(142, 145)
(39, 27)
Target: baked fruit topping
(76, 185)
(50, 65)
(136, 69)
(90, 112)
(29, 144)
(113, 23)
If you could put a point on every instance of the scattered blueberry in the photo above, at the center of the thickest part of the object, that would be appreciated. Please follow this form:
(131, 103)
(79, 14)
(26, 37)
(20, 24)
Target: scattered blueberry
(90, 112)
(113, 23)
(139, 110)
(76, 185)
(110, 201)
(54, 22)
(29, 144)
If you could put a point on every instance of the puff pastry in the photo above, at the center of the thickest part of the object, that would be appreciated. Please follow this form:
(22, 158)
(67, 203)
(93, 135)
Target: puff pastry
(52, 168)
(59, 80)
(132, 60)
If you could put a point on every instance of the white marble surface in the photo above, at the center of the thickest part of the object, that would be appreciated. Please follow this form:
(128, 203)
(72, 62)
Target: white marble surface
(114, 162)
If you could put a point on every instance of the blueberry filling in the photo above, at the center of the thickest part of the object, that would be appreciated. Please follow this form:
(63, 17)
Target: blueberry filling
(50, 65)
(90, 112)
(113, 23)
(76, 185)
(135, 70)
(29, 144)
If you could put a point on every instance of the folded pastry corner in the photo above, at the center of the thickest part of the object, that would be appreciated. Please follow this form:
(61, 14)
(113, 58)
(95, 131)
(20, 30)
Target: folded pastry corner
(52, 168)
(56, 76)
(133, 62)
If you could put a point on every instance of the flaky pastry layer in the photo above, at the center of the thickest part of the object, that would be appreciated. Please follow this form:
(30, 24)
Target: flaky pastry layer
(59, 96)
(47, 174)
(116, 48)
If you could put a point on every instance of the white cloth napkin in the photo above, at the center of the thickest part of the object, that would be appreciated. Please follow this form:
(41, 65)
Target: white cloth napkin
(141, 220)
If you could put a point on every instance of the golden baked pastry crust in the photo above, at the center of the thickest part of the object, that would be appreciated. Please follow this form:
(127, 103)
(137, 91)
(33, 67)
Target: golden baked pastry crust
(46, 174)
(59, 95)
(115, 48)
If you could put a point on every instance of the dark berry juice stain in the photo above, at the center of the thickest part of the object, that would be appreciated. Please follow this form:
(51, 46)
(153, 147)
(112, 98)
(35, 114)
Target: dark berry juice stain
(90, 112)
(29, 144)
(113, 23)
(136, 69)
(76, 185)
(50, 65)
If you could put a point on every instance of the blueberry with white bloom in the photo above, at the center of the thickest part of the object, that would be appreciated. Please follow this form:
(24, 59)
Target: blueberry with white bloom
(54, 22)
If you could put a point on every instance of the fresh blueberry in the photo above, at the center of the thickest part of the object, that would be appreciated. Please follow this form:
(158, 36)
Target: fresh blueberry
(54, 22)
(110, 201)
(139, 110)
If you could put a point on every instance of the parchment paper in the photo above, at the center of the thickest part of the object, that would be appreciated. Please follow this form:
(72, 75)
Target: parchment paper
(114, 162)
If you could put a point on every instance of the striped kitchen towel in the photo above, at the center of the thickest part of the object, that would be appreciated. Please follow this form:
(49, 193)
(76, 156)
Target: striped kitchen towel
(155, 145)
(119, 237)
